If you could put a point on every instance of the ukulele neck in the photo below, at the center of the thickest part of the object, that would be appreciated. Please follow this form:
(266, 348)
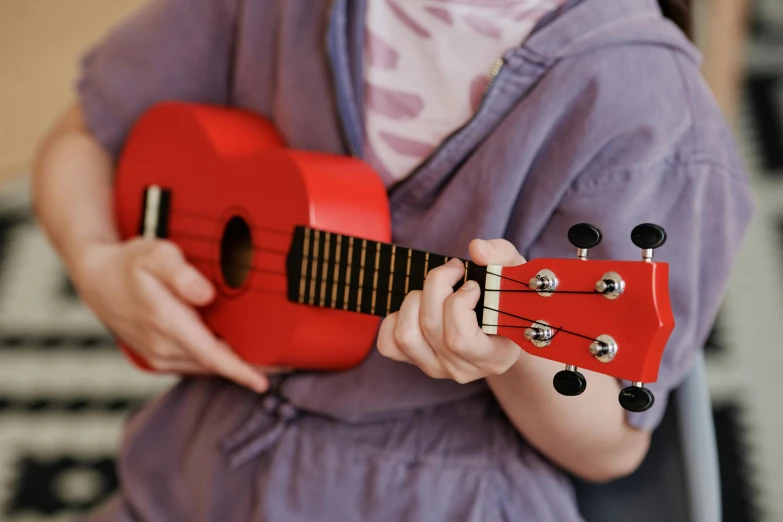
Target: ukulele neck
(359, 275)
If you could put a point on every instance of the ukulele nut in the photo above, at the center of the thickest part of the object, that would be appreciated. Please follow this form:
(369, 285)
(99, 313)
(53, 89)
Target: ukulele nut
(611, 285)
(545, 282)
(540, 334)
(604, 348)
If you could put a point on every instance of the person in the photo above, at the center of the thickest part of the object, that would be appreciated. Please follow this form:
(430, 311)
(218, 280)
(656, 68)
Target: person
(496, 125)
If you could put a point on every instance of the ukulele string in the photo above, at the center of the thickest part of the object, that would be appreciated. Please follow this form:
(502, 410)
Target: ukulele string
(257, 289)
(393, 294)
(593, 292)
(414, 276)
(288, 233)
(242, 266)
(199, 215)
(214, 219)
(206, 239)
(557, 329)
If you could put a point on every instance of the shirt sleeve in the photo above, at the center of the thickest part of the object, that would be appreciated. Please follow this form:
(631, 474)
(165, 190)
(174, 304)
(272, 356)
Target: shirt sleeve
(168, 50)
(705, 211)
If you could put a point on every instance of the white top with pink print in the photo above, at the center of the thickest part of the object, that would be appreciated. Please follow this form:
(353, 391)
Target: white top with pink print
(427, 65)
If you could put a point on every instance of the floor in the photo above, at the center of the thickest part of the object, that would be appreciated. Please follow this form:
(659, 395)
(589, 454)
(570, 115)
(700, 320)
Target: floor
(64, 391)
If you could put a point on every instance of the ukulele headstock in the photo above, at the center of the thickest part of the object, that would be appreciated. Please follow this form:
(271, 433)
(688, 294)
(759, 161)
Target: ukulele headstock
(611, 317)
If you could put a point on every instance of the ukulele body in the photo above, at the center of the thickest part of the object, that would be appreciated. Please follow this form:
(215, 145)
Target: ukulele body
(235, 196)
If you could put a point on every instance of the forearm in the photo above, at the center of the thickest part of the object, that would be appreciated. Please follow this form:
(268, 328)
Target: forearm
(586, 435)
(72, 189)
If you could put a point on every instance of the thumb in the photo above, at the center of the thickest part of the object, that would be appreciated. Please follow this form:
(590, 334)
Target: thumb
(494, 252)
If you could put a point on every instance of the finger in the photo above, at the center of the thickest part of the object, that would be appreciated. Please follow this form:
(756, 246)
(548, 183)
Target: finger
(165, 355)
(183, 367)
(167, 263)
(438, 286)
(464, 338)
(410, 339)
(186, 328)
(387, 345)
(494, 252)
(228, 364)
(272, 370)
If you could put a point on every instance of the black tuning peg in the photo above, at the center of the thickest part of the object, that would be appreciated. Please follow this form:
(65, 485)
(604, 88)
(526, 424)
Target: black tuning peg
(569, 382)
(636, 398)
(584, 236)
(648, 237)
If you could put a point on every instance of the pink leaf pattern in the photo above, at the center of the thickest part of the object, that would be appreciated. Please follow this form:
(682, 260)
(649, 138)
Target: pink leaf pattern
(490, 4)
(406, 19)
(380, 54)
(530, 14)
(441, 13)
(427, 69)
(483, 26)
(407, 146)
(393, 104)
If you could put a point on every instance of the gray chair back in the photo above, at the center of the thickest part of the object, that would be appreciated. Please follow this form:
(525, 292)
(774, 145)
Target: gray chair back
(679, 480)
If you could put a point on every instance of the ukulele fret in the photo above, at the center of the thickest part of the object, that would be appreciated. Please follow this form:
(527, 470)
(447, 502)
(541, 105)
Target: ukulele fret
(361, 276)
(375, 277)
(349, 260)
(303, 277)
(336, 270)
(408, 271)
(325, 268)
(391, 280)
(314, 267)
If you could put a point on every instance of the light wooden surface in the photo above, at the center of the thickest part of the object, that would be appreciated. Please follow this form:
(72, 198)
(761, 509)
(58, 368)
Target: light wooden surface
(41, 42)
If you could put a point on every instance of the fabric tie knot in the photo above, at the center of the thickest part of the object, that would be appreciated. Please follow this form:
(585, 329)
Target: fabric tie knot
(263, 429)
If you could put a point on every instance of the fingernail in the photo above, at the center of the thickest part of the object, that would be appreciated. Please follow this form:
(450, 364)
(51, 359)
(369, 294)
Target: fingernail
(455, 262)
(469, 285)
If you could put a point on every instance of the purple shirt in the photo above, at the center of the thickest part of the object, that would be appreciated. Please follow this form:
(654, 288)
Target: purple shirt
(601, 116)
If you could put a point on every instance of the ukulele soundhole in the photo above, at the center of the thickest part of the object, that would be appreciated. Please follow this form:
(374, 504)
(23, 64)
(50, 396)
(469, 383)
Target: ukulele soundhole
(236, 252)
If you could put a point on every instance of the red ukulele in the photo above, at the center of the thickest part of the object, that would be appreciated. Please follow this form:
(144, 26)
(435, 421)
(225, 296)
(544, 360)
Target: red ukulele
(297, 244)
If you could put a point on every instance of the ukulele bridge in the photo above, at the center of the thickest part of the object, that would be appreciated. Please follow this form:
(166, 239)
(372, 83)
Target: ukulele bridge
(155, 209)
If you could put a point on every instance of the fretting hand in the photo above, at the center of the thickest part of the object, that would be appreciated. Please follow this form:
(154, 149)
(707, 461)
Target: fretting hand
(436, 328)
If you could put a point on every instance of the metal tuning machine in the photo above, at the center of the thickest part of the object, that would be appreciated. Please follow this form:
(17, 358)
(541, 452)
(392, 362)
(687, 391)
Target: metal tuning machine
(569, 382)
(539, 334)
(604, 348)
(545, 282)
(648, 237)
(584, 236)
(611, 285)
(636, 398)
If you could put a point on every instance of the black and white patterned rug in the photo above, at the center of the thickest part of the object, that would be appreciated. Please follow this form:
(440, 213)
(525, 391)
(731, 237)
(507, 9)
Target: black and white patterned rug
(65, 391)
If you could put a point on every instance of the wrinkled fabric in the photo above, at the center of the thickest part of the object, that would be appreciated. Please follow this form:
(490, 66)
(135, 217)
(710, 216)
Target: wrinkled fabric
(324, 469)
(601, 116)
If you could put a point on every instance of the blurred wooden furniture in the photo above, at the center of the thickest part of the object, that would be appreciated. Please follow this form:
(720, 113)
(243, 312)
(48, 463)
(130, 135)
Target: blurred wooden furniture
(41, 43)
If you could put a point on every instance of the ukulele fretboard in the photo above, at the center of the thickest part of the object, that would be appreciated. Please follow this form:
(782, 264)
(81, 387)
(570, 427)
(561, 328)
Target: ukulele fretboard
(359, 275)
